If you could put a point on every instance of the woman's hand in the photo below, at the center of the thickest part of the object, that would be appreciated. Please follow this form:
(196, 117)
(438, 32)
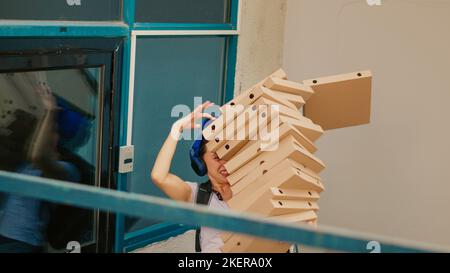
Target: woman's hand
(169, 183)
(189, 121)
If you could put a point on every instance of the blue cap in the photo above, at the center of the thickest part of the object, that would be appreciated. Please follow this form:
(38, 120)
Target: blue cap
(73, 127)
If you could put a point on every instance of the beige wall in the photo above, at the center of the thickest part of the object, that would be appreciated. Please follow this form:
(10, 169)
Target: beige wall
(392, 176)
(260, 46)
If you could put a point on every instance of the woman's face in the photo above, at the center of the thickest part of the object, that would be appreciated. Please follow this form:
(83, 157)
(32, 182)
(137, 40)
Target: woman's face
(216, 168)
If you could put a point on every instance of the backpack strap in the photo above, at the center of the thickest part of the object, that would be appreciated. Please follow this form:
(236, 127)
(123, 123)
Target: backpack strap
(203, 198)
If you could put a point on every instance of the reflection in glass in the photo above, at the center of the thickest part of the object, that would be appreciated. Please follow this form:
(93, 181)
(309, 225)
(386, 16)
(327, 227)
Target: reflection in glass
(182, 11)
(48, 128)
(70, 10)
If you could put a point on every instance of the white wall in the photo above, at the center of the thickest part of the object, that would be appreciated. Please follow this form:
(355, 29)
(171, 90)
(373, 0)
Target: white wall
(392, 176)
(260, 45)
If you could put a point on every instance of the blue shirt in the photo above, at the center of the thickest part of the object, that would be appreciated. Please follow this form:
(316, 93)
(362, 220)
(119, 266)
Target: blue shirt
(25, 219)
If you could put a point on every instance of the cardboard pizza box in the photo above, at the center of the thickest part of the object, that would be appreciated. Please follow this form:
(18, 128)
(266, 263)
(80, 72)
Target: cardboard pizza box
(295, 218)
(247, 244)
(243, 99)
(306, 126)
(286, 174)
(287, 148)
(270, 207)
(280, 193)
(290, 87)
(254, 148)
(297, 100)
(340, 101)
(230, 112)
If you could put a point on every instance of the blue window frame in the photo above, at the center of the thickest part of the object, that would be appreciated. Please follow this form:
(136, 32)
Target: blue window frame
(170, 71)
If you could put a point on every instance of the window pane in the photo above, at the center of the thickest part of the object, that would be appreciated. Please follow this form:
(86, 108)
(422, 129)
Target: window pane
(59, 144)
(82, 10)
(182, 11)
(170, 71)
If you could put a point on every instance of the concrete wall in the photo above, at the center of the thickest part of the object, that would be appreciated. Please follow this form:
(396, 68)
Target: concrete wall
(260, 46)
(389, 177)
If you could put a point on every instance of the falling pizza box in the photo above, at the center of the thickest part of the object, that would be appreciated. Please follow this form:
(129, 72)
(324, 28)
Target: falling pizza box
(340, 101)
(306, 126)
(243, 99)
(287, 174)
(297, 100)
(287, 148)
(285, 86)
(254, 148)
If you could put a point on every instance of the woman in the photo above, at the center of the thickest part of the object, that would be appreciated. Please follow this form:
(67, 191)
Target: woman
(204, 162)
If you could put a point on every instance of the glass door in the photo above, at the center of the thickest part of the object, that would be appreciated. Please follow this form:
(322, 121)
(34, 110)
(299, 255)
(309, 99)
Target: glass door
(58, 119)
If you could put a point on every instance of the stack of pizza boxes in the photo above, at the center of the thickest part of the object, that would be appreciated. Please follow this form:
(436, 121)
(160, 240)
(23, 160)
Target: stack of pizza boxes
(267, 136)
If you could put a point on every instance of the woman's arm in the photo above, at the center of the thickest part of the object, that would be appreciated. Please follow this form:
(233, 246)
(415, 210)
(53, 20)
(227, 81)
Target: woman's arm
(169, 183)
(42, 153)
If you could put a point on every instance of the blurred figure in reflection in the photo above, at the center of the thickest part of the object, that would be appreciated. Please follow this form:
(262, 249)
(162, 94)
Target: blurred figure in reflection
(25, 221)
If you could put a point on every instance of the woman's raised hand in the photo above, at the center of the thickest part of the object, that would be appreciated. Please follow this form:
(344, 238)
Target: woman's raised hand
(190, 121)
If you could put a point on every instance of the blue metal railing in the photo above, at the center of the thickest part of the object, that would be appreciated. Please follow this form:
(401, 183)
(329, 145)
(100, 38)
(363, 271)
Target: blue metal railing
(167, 210)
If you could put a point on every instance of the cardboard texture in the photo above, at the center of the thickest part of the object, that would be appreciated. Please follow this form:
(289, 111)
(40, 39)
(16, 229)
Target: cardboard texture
(273, 171)
(261, 98)
(295, 218)
(287, 148)
(279, 193)
(270, 207)
(232, 147)
(340, 101)
(294, 88)
(253, 149)
(287, 174)
(309, 129)
(231, 131)
(237, 243)
(215, 127)
(298, 101)
(243, 243)
(241, 123)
